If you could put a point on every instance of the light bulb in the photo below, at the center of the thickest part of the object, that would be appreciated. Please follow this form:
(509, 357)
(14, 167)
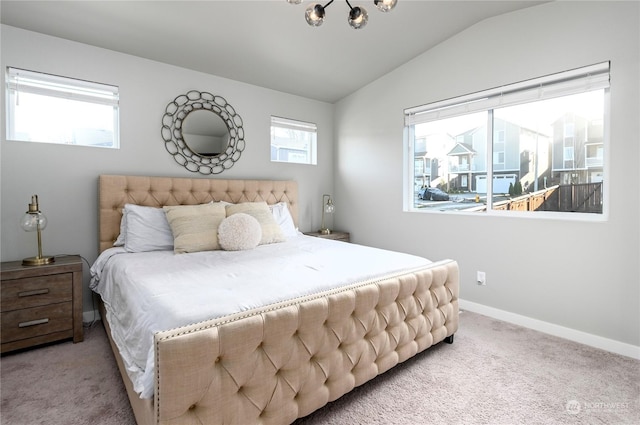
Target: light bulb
(358, 17)
(314, 15)
(385, 5)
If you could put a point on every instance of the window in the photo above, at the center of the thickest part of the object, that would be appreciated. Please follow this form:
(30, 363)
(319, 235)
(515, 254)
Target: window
(293, 141)
(534, 146)
(568, 153)
(52, 109)
(569, 128)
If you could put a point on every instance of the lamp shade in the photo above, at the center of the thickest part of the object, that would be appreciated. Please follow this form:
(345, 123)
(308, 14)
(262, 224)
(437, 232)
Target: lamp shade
(329, 207)
(32, 220)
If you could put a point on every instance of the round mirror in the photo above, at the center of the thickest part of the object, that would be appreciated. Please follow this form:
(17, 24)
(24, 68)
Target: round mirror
(203, 132)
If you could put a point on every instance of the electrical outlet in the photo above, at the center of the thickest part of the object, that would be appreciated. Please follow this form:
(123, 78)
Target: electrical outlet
(481, 278)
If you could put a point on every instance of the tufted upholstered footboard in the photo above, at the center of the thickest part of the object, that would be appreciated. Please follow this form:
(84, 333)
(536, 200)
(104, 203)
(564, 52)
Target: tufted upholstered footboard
(278, 363)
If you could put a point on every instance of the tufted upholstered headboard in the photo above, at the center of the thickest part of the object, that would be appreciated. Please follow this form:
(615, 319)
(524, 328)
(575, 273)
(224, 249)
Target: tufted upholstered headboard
(116, 190)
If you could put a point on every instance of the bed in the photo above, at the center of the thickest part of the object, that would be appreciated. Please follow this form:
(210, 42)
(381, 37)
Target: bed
(276, 359)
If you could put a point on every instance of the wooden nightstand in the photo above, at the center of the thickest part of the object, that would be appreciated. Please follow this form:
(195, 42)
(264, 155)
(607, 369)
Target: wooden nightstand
(336, 235)
(40, 304)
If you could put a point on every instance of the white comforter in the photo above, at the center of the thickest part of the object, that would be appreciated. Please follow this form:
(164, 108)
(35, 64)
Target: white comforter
(149, 292)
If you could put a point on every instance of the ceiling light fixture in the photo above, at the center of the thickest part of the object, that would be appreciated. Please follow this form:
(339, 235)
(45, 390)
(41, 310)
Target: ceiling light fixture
(357, 18)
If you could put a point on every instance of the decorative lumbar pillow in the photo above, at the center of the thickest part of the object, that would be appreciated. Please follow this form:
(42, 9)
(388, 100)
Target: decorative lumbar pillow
(239, 232)
(195, 227)
(145, 229)
(271, 231)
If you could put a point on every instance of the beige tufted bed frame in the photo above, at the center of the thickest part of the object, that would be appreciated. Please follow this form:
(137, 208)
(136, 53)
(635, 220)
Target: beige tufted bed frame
(277, 363)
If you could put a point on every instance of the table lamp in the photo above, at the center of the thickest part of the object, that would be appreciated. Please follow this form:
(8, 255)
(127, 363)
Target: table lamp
(34, 220)
(327, 207)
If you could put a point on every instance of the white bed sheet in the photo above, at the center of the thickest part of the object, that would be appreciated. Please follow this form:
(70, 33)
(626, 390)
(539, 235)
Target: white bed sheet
(149, 292)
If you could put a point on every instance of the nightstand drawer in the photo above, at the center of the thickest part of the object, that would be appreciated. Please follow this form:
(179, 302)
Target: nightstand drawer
(36, 321)
(36, 291)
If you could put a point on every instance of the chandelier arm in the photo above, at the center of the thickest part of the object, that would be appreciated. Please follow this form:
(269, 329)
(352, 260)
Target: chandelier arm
(331, 1)
(349, 4)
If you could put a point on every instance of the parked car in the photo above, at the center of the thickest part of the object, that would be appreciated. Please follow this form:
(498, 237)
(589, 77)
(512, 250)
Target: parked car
(432, 194)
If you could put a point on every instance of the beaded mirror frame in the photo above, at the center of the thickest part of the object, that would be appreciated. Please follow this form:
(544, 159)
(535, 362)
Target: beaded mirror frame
(172, 124)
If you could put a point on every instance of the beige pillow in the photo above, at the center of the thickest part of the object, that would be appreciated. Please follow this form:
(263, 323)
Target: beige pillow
(271, 231)
(195, 227)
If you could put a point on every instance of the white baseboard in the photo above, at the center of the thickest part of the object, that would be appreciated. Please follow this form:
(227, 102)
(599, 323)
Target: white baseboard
(591, 340)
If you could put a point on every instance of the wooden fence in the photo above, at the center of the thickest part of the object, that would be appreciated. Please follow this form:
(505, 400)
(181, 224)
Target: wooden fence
(582, 197)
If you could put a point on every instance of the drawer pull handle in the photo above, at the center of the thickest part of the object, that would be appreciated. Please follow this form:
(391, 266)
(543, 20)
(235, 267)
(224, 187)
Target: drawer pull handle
(34, 292)
(33, 323)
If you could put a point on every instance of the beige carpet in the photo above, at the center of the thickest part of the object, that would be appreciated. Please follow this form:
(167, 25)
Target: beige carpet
(494, 373)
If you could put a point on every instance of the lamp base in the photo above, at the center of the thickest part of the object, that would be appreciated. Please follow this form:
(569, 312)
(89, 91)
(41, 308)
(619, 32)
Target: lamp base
(38, 261)
(325, 231)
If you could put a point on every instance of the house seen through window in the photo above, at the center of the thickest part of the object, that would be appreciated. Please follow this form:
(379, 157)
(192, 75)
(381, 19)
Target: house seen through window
(53, 109)
(536, 146)
(293, 141)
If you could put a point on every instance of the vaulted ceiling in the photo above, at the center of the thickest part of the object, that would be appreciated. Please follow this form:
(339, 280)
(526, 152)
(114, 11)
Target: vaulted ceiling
(266, 43)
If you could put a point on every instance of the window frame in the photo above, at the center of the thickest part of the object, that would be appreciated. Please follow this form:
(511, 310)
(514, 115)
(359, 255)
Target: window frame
(26, 82)
(569, 82)
(311, 129)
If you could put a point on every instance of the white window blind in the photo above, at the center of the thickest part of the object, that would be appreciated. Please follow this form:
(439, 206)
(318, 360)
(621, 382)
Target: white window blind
(293, 124)
(48, 108)
(24, 81)
(565, 83)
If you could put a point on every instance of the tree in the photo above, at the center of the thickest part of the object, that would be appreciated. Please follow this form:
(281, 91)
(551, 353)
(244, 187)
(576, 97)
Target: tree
(518, 188)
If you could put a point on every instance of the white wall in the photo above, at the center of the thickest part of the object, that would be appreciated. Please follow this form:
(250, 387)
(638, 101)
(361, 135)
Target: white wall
(66, 177)
(582, 276)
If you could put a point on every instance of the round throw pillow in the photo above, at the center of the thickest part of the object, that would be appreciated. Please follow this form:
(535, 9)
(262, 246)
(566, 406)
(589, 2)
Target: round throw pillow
(238, 232)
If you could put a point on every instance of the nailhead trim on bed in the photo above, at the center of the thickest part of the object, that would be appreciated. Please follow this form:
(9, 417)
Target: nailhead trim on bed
(303, 353)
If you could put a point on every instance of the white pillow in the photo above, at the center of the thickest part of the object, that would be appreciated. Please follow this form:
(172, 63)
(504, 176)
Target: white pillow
(239, 232)
(283, 217)
(146, 229)
(123, 231)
